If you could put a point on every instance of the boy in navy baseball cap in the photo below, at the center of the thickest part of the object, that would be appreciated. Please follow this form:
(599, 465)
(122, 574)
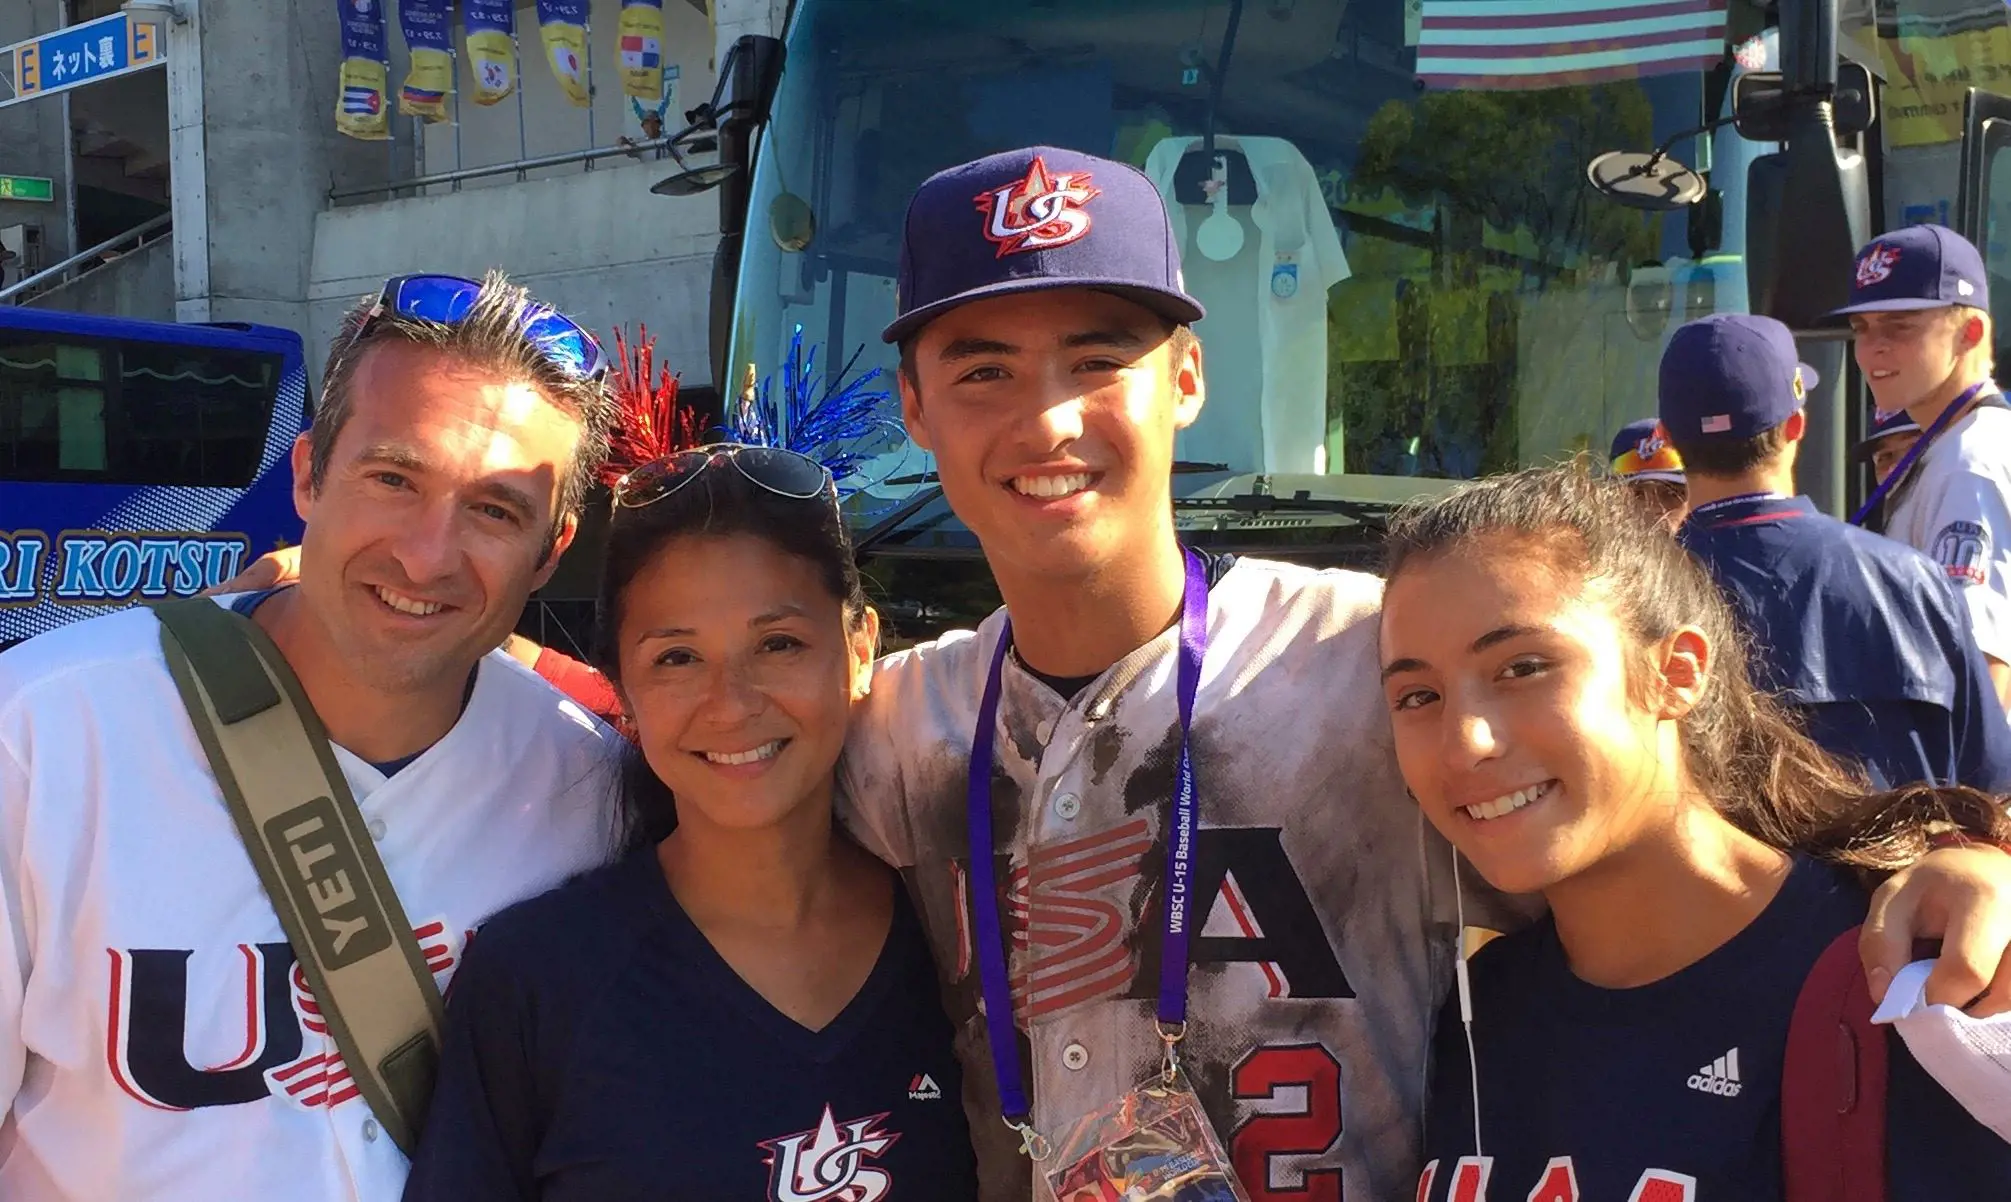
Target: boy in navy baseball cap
(1891, 436)
(1046, 359)
(1920, 318)
(1920, 312)
(1730, 378)
(1048, 365)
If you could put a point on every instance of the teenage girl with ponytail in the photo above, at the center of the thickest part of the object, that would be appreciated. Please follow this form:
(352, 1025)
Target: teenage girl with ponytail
(1572, 711)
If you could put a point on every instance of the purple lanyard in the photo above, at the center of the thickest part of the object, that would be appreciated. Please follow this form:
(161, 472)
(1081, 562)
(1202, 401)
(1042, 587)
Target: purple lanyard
(1898, 473)
(1179, 852)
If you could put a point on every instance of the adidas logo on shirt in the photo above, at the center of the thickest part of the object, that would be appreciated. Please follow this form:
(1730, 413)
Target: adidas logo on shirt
(924, 1089)
(1720, 1076)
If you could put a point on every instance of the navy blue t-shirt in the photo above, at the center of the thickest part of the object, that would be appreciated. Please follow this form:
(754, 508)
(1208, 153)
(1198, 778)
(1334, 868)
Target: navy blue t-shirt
(1864, 636)
(1601, 1094)
(598, 1049)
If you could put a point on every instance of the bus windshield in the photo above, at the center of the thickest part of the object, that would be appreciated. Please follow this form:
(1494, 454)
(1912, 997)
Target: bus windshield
(1406, 279)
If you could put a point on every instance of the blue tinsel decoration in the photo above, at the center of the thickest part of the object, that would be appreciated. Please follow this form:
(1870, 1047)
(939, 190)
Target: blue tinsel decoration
(841, 425)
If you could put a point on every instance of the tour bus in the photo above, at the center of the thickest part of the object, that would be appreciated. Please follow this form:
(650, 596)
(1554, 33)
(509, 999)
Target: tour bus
(1388, 208)
(138, 460)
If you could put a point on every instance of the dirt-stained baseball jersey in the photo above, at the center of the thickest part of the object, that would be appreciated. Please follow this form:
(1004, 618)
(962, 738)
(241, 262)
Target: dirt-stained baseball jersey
(157, 1040)
(1325, 900)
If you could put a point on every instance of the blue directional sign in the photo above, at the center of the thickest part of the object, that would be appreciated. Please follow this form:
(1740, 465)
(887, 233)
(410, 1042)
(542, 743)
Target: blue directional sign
(88, 53)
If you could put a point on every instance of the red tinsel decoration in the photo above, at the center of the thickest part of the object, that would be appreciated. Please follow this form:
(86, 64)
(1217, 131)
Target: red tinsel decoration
(650, 421)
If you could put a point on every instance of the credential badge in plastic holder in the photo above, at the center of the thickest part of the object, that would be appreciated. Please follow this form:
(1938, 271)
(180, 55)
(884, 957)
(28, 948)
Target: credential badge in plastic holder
(1154, 1144)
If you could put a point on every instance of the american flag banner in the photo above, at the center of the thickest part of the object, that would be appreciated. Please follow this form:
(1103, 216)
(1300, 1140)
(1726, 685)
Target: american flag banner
(1501, 44)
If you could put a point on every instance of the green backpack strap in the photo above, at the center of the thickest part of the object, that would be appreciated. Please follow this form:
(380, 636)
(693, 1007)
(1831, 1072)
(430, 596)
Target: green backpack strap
(299, 821)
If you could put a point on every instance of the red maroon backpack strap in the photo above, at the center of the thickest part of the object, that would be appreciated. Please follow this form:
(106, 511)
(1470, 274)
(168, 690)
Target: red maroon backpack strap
(1833, 1086)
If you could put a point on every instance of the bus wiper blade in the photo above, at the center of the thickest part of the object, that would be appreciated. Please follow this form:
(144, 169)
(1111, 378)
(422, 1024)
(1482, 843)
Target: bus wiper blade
(1298, 502)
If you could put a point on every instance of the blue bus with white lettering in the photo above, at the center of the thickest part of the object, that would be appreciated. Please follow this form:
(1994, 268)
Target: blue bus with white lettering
(138, 460)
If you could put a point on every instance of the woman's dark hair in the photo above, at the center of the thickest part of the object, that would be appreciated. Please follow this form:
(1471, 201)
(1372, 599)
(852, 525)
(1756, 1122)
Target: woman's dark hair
(1742, 748)
(720, 502)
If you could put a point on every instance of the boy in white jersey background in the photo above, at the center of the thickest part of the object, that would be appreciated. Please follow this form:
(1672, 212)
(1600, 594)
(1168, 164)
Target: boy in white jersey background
(1920, 315)
(1047, 365)
(157, 1039)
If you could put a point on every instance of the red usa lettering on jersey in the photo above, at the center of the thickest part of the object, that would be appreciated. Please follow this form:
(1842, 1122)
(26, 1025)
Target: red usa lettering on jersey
(1559, 1183)
(1075, 918)
(148, 1020)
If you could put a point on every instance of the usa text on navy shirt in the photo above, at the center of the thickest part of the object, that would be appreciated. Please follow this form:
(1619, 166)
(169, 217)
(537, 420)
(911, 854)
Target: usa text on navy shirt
(1669, 1092)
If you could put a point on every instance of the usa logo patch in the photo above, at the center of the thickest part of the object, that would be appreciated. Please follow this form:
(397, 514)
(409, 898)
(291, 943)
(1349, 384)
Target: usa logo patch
(1963, 551)
(1039, 212)
(1876, 265)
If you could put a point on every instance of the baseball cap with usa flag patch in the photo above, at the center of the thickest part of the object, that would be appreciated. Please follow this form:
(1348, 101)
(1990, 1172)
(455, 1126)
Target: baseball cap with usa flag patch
(1730, 376)
(1034, 219)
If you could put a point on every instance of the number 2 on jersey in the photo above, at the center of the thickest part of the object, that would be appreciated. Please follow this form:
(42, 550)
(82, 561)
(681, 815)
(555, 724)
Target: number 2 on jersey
(1306, 1132)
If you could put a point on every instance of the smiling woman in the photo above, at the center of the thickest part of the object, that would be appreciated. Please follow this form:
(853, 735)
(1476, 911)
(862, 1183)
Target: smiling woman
(1571, 710)
(743, 1006)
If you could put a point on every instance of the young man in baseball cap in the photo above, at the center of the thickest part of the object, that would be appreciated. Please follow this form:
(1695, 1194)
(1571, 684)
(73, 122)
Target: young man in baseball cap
(1920, 312)
(1855, 631)
(1644, 460)
(1149, 724)
(1891, 436)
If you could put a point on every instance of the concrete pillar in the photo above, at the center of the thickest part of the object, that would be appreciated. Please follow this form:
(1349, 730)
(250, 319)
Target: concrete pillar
(35, 136)
(251, 96)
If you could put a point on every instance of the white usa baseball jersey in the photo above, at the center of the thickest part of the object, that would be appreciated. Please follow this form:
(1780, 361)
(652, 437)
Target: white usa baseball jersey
(1326, 900)
(1956, 507)
(156, 1039)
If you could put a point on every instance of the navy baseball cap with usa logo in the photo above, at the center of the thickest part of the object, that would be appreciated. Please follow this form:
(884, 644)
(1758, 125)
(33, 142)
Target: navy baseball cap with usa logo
(1642, 452)
(1035, 219)
(1918, 267)
(1730, 376)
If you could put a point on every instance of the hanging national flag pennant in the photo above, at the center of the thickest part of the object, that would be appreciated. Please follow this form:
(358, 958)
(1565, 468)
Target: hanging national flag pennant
(360, 109)
(428, 26)
(563, 26)
(492, 49)
(1498, 44)
(642, 49)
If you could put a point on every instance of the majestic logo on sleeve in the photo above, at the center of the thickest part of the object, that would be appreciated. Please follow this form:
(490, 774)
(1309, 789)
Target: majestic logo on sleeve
(1039, 212)
(1876, 264)
(1963, 551)
(828, 1162)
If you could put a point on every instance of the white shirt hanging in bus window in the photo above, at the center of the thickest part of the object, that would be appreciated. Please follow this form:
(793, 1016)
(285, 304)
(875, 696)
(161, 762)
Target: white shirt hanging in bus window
(1265, 336)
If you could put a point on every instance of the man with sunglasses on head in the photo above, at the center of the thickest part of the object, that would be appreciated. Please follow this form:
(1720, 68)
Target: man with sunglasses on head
(157, 1036)
(1150, 811)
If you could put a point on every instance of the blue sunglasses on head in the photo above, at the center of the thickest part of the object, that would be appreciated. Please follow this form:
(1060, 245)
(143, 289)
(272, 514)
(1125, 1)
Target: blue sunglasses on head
(447, 298)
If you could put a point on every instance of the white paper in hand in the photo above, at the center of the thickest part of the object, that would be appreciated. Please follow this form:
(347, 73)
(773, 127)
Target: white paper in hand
(1970, 1057)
